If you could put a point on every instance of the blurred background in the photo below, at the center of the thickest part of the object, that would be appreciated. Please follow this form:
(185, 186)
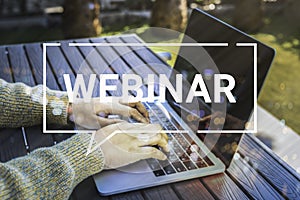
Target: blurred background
(274, 22)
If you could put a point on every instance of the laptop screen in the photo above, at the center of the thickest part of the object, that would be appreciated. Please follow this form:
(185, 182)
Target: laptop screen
(234, 60)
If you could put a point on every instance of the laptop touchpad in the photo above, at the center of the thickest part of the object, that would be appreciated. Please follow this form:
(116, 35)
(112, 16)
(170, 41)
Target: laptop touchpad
(138, 167)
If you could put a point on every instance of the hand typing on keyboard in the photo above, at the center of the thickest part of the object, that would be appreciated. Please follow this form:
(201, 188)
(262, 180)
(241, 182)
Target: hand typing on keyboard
(133, 142)
(94, 114)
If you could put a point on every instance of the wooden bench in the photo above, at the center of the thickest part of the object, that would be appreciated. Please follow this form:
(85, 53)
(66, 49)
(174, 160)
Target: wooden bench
(255, 173)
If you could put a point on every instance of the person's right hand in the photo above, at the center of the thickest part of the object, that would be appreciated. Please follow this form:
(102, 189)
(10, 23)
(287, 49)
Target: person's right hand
(94, 114)
(134, 143)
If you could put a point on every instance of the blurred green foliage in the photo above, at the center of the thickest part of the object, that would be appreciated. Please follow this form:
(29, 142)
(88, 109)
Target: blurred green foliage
(280, 94)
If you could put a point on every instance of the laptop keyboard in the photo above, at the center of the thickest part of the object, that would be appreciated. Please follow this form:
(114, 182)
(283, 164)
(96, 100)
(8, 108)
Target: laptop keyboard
(184, 153)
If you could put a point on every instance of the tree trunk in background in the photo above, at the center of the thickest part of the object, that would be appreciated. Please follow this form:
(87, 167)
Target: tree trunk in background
(1, 6)
(23, 6)
(170, 14)
(248, 15)
(81, 18)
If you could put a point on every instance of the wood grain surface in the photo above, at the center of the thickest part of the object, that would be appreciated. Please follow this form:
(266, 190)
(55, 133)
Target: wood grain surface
(255, 173)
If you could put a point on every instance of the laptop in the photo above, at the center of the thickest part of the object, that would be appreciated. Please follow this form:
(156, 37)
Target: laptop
(193, 154)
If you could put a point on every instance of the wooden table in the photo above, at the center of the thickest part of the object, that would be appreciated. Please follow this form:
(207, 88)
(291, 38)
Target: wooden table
(255, 173)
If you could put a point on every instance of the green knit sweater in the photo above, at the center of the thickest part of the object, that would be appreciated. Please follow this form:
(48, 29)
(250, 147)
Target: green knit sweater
(46, 173)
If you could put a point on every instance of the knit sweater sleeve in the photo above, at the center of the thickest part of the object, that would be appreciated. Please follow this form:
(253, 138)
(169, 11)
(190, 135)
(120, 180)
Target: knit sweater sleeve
(21, 105)
(50, 173)
(46, 173)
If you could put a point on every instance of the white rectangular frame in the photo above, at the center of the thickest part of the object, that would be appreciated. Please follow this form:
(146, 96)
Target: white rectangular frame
(45, 45)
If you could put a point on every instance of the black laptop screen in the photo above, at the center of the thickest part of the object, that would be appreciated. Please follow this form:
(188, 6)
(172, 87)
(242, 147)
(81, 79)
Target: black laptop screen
(233, 60)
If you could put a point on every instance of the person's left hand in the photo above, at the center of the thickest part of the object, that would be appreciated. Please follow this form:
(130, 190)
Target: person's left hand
(95, 114)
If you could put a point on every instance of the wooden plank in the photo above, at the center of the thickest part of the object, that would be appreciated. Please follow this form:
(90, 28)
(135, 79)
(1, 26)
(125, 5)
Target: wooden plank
(59, 65)
(130, 57)
(114, 61)
(251, 181)
(79, 64)
(35, 57)
(270, 153)
(98, 65)
(36, 138)
(192, 190)
(73, 56)
(87, 190)
(148, 56)
(135, 195)
(21, 72)
(59, 137)
(94, 59)
(87, 50)
(132, 38)
(11, 144)
(5, 72)
(270, 168)
(11, 140)
(161, 192)
(135, 64)
(222, 187)
(20, 66)
(271, 127)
